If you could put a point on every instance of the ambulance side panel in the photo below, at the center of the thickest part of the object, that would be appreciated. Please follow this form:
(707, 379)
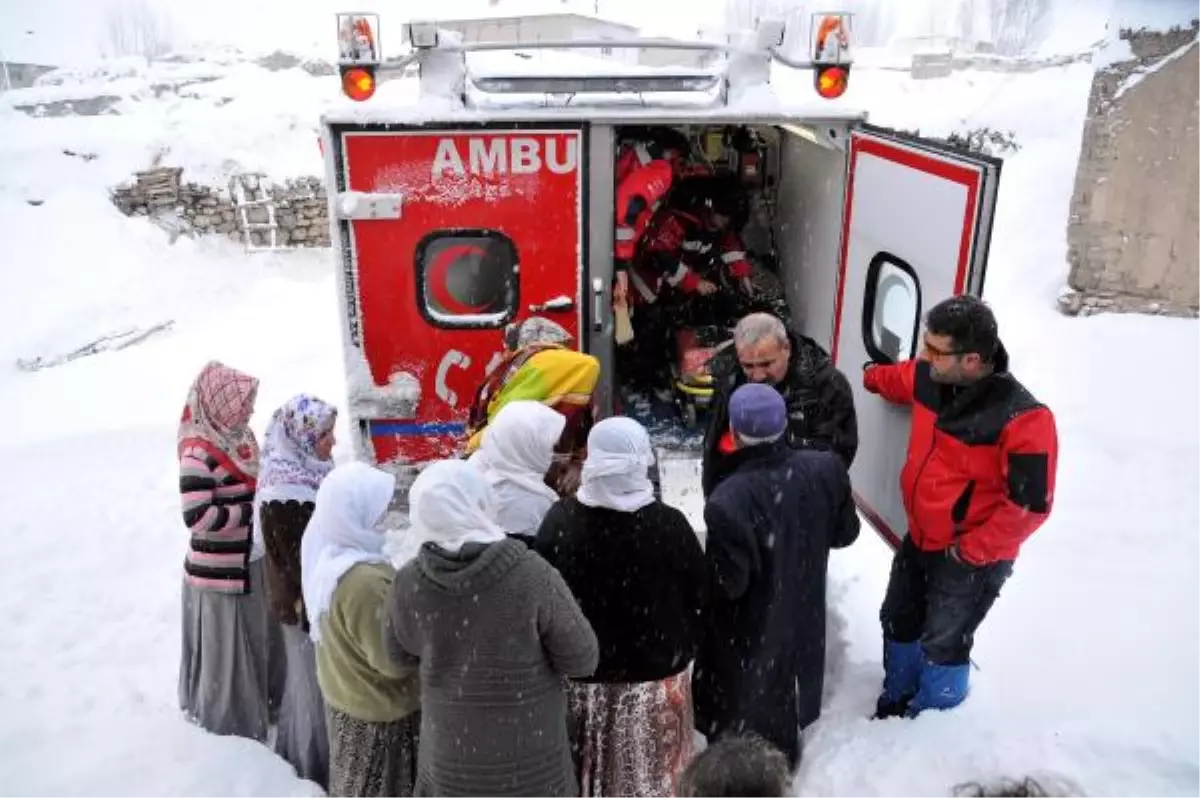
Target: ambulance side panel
(917, 226)
(490, 230)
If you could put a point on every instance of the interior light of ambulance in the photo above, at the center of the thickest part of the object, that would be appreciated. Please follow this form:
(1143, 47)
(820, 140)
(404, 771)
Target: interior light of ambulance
(831, 81)
(358, 84)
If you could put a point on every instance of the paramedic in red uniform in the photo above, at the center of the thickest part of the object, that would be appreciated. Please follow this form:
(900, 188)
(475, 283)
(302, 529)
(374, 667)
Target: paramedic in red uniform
(690, 251)
(696, 237)
(645, 171)
(978, 481)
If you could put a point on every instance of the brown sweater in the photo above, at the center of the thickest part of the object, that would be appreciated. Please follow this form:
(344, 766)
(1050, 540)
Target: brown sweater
(283, 524)
(495, 631)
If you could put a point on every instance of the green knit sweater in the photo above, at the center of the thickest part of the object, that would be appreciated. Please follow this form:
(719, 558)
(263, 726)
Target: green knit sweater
(353, 668)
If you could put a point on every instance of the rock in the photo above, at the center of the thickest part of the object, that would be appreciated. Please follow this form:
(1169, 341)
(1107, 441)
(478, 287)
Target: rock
(1070, 303)
(257, 214)
(318, 68)
(299, 234)
(90, 106)
(278, 61)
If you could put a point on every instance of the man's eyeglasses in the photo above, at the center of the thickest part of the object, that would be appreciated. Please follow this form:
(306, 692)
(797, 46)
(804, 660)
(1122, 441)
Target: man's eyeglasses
(933, 351)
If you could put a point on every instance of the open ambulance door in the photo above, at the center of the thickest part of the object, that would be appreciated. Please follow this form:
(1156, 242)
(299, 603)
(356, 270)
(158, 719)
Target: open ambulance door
(915, 230)
(449, 234)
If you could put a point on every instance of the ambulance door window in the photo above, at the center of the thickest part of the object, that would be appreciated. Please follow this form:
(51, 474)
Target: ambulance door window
(467, 278)
(891, 309)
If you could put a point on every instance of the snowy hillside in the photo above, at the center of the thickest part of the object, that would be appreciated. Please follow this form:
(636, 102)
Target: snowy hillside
(1088, 664)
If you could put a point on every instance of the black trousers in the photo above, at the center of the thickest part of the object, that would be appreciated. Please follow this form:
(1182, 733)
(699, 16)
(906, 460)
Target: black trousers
(643, 362)
(939, 600)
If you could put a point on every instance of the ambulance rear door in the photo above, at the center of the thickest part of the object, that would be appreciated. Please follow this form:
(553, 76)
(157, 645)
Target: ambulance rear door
(449, 235)
(916, 228)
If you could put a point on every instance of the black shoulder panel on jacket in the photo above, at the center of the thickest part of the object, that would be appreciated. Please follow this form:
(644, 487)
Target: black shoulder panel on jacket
(979, 414)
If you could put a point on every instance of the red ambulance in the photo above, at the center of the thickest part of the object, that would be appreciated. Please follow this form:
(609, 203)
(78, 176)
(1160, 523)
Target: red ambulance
(484, 200)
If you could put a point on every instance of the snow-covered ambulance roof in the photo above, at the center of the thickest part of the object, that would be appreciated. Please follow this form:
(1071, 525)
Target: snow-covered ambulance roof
(430, 114)
(398, 101)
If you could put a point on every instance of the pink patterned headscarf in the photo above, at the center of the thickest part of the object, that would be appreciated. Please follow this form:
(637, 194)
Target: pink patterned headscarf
(218, 410)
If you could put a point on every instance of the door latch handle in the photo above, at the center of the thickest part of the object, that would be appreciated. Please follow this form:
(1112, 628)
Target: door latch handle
(597, 305)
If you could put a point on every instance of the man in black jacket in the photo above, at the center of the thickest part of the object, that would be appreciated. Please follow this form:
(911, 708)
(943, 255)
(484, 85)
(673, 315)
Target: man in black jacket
(771, 523)
(820, 405)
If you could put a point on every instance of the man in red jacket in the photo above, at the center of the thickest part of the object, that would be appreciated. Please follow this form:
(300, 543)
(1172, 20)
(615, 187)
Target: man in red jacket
(978, 481)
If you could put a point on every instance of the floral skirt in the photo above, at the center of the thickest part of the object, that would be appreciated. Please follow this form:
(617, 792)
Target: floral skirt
(372, 759)
(631, 739)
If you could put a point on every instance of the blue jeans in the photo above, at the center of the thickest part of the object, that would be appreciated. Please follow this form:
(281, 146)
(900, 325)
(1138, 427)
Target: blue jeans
(940, 601)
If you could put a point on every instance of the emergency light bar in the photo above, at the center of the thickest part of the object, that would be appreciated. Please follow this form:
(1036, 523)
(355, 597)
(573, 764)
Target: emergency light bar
(362, 67)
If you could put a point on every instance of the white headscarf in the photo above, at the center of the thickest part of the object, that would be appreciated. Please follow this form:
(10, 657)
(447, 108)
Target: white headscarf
(450, 505)
(341, 533)
(616, 472)
(514, 456)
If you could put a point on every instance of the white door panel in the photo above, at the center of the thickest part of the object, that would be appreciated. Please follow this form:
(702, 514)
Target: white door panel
(915, 231)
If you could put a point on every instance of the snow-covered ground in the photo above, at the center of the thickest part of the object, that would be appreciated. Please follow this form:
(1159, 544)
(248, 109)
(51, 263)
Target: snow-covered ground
(1088, 663)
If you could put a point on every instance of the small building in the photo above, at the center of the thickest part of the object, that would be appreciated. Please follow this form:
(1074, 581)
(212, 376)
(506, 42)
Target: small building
(1132, 243)
(538, 22)
(14, 75)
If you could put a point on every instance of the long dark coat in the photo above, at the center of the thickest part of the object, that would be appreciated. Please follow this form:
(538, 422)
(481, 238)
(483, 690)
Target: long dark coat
(771, 524)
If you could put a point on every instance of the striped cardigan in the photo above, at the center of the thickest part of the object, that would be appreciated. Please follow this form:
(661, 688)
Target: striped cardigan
(218, 511)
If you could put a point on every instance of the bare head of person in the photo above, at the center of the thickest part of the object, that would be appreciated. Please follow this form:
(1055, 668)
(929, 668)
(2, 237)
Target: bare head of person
(745, 765)
(763, 348)
(961, 340)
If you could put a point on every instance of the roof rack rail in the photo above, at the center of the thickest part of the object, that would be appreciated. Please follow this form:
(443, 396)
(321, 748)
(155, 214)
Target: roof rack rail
(440, 58)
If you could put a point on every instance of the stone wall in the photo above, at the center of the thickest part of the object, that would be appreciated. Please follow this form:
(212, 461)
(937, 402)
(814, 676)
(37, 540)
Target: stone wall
(1132, 233)
(297, 208)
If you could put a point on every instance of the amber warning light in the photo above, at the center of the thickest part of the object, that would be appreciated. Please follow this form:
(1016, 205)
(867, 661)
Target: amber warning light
(831, 81)
(831, 54)
(358, 83)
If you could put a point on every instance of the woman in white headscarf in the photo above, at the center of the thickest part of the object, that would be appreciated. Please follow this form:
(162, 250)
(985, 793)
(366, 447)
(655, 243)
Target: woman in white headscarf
(515, 455)
(494, 630)
(372, 705)
(639, 574)
(296, 456)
